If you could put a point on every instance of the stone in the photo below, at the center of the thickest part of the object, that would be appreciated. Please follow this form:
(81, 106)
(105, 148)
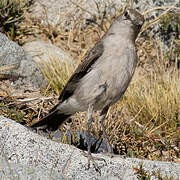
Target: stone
(44, 52)
(14, 61)
(24, 151)
(25, 62)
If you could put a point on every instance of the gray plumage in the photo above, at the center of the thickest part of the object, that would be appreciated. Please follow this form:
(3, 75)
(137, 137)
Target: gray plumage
(103, 77)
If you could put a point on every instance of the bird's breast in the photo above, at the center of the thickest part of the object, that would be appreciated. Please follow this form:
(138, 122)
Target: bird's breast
(108, 78)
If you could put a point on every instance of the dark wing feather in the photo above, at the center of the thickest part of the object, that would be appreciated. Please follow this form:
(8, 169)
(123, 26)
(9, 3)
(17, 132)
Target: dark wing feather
(81, 71)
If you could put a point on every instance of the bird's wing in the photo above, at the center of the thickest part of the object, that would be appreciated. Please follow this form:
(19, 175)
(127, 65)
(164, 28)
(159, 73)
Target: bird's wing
(82, 70)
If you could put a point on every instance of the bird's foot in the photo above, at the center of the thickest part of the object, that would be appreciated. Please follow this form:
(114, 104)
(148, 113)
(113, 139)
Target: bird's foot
(93, 160)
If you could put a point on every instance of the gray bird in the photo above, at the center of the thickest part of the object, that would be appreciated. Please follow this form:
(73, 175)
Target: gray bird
(102, 78)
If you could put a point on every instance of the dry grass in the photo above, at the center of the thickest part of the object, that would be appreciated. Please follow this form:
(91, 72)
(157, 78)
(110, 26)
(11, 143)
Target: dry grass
(56, 72)
(152, 99)
(150, 112)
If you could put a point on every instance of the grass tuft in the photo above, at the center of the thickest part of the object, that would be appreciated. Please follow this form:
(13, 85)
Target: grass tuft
(12, 13)
(56, 72)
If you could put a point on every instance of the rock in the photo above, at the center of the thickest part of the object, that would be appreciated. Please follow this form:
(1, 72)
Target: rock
(50, 11)
(63, 13)
(10, 53)
(14, 61)
(25, 64)
(54, 15)
(45, 52)
(17, 171)
(30, 74)
(23, 151)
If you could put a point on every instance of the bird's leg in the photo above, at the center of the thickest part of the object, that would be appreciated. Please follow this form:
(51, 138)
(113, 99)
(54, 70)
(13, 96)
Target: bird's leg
(89, 155)
(101, 120)
(89, 121)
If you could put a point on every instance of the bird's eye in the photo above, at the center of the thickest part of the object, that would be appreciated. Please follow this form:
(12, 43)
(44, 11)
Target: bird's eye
(126, 14)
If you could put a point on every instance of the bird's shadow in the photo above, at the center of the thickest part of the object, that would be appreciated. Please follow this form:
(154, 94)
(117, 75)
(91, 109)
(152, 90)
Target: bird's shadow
(77, 139)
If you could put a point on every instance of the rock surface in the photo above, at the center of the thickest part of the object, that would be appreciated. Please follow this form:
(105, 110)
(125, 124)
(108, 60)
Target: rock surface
(24, 62)
(14, 61)
(42, 51)
(74, 9)
(26, 155)
(18, 171)
(10, 53)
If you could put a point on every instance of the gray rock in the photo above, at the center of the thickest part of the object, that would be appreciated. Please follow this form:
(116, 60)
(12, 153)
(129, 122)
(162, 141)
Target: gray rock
(10, 53)
(25, 63)
(30, 74)
(14, 61)
(50, 11)
(63, 13)
(30, 153)
(148, 4)
(18, 171)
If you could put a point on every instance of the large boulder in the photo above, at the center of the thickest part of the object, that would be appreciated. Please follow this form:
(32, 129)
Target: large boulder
(43, 52)
(24, 63)
(15, 62)
(24, 153)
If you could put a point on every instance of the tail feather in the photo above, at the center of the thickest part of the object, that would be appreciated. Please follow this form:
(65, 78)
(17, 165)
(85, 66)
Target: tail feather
(52, 121)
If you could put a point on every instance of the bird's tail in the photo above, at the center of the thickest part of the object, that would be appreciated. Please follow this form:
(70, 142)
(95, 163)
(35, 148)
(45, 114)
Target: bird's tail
(52, 121)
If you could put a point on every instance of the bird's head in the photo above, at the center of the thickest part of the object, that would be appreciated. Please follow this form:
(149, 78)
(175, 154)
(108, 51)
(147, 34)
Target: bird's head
(134, 17)
(128, 24)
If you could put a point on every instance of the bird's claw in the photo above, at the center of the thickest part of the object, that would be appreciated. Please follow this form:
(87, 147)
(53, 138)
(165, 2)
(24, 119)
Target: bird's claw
(93, 160)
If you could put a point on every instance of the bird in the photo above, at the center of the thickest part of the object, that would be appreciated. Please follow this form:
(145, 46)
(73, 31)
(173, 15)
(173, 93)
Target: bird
(101, 79)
